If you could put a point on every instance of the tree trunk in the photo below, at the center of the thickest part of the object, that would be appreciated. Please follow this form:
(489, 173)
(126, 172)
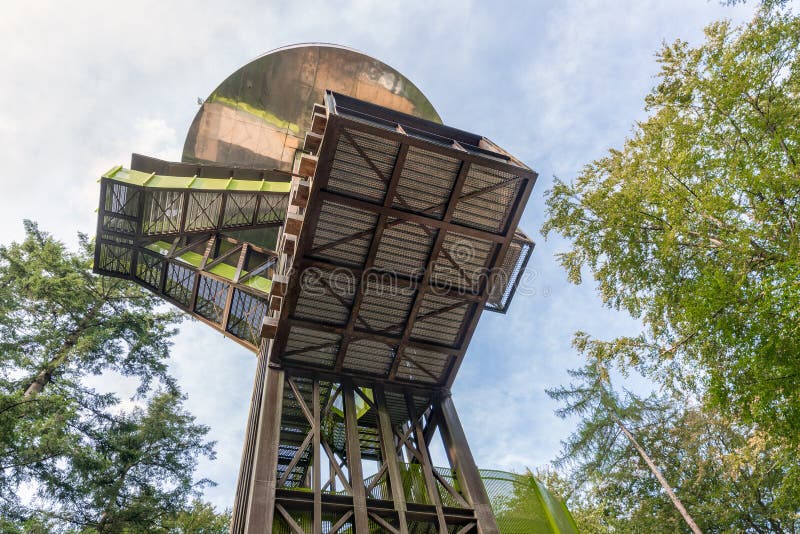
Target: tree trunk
(664, 484)
(38, 383)
(44, 376)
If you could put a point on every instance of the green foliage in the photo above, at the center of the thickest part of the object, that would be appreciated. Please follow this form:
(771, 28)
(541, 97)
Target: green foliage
(693, 224)
(201, 518)
(71, 459)
(129, 470)
(59, 321)
(730, 477)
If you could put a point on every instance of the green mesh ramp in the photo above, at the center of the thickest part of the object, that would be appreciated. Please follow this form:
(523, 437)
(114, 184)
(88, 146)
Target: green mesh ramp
(522, 505)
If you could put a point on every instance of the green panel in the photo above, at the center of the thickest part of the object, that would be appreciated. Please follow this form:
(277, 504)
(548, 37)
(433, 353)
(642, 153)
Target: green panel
(522, 505)
(260, 237)
(143, 179)
(224, 270)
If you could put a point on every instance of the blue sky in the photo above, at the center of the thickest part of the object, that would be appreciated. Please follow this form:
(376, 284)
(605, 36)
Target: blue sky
(557, 84)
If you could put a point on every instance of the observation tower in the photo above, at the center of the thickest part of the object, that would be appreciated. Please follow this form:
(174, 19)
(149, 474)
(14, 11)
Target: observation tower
(323, 217)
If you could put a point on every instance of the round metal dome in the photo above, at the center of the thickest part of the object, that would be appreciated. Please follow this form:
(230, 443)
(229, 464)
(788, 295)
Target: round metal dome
(259, 115)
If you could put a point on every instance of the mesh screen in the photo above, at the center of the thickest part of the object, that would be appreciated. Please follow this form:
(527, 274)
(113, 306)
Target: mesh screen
(440, 319)
(508, 274)
(211, 297)
(426, 182)
(523, 505)
(488, 197)
(312, 346)
(162, 212)
(362, 165)
(343, 234)
(202, 212)
(149, 268)
(246, 314)
(239, 209)
(115, 258)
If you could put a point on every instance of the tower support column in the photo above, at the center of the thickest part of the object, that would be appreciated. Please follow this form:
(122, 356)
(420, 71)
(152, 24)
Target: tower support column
(461, 460)
(261, 498)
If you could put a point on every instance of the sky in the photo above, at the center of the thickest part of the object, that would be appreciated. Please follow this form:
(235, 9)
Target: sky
(85, 84)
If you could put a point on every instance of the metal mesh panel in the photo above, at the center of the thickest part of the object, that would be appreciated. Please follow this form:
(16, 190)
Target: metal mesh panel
(117, 224)
(385, 308)
(445, 496)
(462, 262)
(246, 314)
(202, 212)
(211, 297)
(121, 199)
(149, 268)
(351, 229)
(522, 505)
(398, 411)
(367, 356)
(420, 365)
(324, 299)
(405, 247)
(439, 319)
(179, 284)
(304, 519)
(490, 197)
(272, 208)
(115, 258)
(423, 527)
(312, 347)
(414, 484)
(426, 182)
(508, 274)
(239, 209)
(162, 212)
(354, 175)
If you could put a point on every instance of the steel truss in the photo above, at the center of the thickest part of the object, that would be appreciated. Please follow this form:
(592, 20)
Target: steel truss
(217, 279)
(331, 455)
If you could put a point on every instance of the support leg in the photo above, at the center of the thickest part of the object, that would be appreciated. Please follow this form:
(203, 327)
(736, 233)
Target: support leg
(458, 451)
(261, 507)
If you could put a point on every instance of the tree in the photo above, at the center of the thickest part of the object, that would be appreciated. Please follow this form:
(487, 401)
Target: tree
(131, 472)
(693, 226)
(59, 323)
(200, 518)
(604, 418)
(58, 320)
(84, 463)
(727, 475)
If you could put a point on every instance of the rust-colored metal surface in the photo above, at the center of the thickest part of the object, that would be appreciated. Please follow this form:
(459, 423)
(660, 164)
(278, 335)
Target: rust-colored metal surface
(258, 116)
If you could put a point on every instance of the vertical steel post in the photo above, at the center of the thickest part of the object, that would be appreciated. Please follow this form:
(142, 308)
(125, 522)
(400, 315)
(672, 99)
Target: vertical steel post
(354, 459)
(427, 467)
(316, 458)
(261, 506)
(460, 456)
(389, 453)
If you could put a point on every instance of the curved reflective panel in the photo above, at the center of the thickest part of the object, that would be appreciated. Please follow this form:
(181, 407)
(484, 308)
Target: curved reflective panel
(259, 115)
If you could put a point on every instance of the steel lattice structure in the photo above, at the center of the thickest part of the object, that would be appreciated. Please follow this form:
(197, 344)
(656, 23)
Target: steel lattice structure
(354, 251)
